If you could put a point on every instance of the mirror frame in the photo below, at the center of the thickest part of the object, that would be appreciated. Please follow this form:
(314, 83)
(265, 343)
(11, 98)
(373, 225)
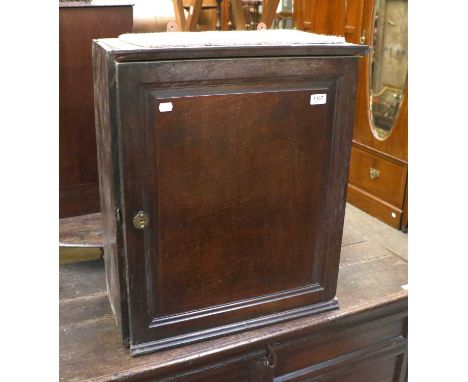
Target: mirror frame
(369, 87)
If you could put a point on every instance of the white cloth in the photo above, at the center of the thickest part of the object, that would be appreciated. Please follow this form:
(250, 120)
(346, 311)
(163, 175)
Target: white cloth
(282, 37)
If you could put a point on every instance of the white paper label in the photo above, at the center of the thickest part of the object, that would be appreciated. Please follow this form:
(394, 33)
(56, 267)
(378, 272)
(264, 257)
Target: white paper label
(318, 99)
(164, 107)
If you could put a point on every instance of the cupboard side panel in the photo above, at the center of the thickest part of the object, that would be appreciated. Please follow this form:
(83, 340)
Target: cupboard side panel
(340, 154)
(104, 72)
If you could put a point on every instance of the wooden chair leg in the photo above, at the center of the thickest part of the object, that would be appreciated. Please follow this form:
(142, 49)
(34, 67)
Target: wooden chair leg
(194, 16)
(179, 14)
(238, 14)
(269, 12)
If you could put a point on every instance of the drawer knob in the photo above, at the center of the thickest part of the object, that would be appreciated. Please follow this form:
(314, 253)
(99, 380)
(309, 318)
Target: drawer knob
(141, 220)
(373, 173)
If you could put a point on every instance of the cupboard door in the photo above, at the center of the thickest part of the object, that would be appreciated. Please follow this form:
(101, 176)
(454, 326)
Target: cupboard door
(236, 195)
(241, 178)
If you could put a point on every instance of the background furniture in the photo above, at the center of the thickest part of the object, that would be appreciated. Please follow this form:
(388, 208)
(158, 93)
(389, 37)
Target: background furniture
(237, 9)
(152, 16)
(252, 13)
(79, 23)
(379, 161)
(321, 16)
(365, 341)
(187, 24)
(378, 175)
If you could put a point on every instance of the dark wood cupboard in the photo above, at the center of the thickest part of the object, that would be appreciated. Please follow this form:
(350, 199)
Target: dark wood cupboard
(79, 24)
(174, 245)
(223, 174)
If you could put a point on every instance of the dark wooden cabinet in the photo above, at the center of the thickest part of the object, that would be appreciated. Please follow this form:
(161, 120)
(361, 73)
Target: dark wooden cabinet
(79, 24)
(223, 174)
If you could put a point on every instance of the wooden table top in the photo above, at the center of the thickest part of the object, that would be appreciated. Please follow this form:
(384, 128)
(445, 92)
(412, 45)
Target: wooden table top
(81, 231)
(372, 272)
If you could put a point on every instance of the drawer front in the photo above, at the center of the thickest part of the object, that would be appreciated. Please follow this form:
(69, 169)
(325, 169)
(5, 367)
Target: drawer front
(213, 373)
(371, 352)
(375, 207)
(382, 178)
(382, 368)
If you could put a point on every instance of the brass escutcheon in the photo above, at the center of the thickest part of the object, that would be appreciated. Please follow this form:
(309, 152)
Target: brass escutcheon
(373, 173)
(270, 357)
(141, 220)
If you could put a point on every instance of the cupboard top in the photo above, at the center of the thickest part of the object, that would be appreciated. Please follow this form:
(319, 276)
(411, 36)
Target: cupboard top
(95, 3)
(195, 45)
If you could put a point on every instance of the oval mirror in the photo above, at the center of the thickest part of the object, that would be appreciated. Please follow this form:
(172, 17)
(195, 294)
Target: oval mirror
(388, 64)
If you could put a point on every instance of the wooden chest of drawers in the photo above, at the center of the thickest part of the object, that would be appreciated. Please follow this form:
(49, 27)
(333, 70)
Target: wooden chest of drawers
(223, 175)
(377, 184)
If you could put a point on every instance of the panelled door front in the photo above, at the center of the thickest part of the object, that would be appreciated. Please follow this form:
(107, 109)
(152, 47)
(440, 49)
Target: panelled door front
(234, 178)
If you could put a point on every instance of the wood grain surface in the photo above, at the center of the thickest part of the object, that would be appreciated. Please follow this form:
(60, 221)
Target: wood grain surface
(81, 231)
(79, 24)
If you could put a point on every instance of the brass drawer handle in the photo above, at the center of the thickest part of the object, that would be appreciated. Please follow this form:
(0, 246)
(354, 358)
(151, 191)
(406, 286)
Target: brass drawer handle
(373, 173)
(141, 220)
